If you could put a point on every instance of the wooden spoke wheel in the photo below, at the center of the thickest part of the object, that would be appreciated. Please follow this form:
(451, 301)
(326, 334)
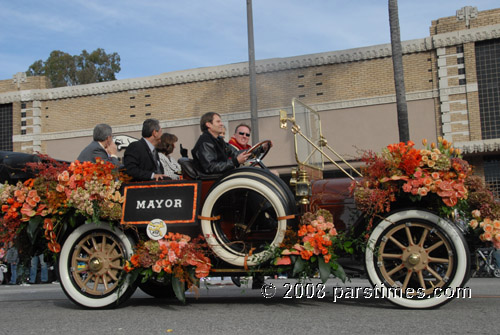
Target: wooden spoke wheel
(418, 258)
(91, 266)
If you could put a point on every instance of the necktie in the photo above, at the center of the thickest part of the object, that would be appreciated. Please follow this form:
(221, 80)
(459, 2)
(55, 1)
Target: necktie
(157, 161)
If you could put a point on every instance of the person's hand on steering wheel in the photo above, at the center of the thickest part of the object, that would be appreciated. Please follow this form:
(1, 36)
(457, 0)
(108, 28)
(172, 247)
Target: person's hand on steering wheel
(242, 157)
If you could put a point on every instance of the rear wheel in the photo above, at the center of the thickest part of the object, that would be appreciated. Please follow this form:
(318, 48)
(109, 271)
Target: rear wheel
(158, 289)
(91, 266)
(242, 218)
(417, 259)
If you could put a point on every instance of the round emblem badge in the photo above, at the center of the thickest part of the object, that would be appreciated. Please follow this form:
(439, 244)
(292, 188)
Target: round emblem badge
(157, 228)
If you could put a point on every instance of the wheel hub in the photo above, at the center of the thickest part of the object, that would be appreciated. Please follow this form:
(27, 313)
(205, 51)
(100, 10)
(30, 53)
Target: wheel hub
(95, 264)
(415, 258)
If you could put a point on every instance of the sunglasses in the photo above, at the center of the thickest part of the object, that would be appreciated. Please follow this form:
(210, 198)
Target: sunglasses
(246, 134)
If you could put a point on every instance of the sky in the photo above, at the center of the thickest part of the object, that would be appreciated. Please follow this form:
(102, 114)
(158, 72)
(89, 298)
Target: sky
(158, 36)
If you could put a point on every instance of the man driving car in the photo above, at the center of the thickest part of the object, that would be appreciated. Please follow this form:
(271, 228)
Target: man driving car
(211, 154)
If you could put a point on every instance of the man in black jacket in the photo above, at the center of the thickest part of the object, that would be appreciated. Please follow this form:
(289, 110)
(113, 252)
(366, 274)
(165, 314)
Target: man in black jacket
(141, 158)
(211, 153)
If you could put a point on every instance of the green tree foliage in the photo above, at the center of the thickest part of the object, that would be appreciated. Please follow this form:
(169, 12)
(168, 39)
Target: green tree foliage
(63, 69)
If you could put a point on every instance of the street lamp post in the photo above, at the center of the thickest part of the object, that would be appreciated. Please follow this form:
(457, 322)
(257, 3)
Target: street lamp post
(251, 70)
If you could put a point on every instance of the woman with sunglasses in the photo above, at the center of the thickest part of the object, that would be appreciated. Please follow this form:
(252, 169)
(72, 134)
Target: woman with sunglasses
(241, 137)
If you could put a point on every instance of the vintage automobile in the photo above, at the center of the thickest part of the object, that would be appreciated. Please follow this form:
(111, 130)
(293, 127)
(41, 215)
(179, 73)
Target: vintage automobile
(243, 213)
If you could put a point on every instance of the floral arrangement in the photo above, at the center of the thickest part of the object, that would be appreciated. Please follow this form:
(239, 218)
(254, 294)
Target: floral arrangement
(175, 256)
(488, 229)
(313, 247)
(485, 212)
(435, 174)
(59, 190)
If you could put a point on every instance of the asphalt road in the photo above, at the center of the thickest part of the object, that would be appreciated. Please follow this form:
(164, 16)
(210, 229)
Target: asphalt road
(222, 308)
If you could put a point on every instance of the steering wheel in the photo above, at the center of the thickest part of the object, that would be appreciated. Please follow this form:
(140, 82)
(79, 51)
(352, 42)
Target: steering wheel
(258, 152)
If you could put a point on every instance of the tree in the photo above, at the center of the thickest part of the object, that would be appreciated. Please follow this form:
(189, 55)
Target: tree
(399, 80)
(62, 69)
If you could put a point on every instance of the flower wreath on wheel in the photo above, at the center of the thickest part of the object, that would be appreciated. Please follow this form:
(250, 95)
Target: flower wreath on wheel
(436, 177)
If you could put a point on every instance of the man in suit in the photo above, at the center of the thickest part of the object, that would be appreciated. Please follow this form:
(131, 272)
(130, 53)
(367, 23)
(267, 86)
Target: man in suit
(102, 146)
(141, 158)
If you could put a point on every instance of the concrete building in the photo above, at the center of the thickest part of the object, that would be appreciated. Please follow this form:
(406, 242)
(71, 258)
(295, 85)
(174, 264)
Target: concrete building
(451, 76)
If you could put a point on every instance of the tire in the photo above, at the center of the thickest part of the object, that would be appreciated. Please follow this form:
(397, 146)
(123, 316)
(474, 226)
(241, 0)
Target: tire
(91, 263)
(157, 289)
(408, 273)
(271, 178)
(251, 220)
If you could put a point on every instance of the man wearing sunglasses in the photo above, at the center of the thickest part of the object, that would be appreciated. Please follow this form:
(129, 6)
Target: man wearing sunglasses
(241, 137)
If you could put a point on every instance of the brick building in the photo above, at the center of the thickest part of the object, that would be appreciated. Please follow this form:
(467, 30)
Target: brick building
(451, 77)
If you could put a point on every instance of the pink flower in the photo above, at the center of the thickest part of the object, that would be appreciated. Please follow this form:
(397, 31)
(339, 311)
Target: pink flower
(427, 181)
(476, 213)
(407, 187)
(156, 268)
(487, 236)
(496, 224)
(488, 228)
(473, 224)
(422, 191)
(283, 261)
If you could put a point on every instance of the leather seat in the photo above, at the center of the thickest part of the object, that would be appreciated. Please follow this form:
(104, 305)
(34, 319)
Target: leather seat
(189, 168)
(13, 166)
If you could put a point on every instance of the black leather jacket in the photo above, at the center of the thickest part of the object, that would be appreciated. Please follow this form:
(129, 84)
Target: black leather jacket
(213, 155)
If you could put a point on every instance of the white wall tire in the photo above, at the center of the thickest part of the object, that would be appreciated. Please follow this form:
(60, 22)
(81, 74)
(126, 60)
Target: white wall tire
(437, 257)
(90, 266)
(222, 235)
(269, 177)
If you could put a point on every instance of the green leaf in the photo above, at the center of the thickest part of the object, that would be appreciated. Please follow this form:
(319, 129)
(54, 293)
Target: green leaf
(34, 228)
(340, 273)
(299, 266)
(347, 244)
(324, 269)
(179, 289)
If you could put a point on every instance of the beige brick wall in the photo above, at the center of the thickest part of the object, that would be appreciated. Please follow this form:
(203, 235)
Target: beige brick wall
(450, 23)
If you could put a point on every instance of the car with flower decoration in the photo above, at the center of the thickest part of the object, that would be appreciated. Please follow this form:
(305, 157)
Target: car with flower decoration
(402, 219)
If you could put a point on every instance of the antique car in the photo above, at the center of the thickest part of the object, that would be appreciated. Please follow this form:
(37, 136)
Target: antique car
(245, 212)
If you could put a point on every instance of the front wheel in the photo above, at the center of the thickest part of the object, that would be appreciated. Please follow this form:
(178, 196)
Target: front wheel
(91, 266)
(243, 218)
(417, 259)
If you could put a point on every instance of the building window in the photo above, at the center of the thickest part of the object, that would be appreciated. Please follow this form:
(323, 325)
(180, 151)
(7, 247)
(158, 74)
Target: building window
(492, 174)
(488, 80)
(6, 127)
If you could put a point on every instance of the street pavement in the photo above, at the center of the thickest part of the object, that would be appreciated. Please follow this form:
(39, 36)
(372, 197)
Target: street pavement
(219, 307)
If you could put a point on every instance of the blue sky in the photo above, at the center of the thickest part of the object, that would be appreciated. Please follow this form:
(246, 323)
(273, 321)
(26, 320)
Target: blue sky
(157, 36)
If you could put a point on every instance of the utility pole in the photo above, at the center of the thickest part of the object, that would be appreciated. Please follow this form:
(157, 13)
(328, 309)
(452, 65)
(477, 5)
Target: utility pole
(251, 71)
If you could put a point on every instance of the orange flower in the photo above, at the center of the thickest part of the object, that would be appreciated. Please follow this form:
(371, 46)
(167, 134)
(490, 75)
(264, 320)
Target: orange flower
(327, 258)
(54, 247)
(306, 254)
